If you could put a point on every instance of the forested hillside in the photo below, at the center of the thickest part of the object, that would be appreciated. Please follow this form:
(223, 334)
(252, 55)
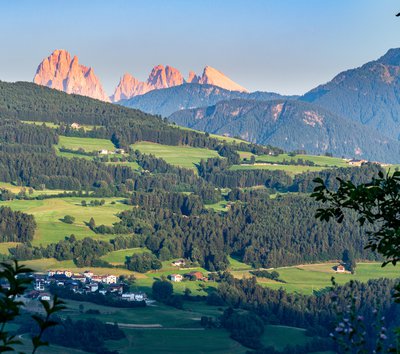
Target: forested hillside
(291, 125)
(368, 94)
(167, 101)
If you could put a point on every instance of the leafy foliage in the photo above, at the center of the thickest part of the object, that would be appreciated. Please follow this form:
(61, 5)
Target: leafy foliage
(10, 307)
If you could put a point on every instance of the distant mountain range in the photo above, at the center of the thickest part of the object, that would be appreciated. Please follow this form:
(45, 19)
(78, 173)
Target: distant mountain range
(60, 72)
(360, 108)
(369, 94)
(292, 125)
(167, 101)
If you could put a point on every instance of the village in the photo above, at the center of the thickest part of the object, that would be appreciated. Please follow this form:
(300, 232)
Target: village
(108, 285)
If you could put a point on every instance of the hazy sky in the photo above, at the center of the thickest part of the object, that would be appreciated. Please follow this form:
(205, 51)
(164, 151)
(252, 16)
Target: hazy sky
(287, 46)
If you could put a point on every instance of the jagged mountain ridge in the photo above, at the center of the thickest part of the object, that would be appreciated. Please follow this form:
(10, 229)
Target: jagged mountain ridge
(60, 72)
(290, 125)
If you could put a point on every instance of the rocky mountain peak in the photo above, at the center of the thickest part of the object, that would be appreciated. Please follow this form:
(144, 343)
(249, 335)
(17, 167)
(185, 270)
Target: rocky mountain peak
(212, 76)
(59, 71)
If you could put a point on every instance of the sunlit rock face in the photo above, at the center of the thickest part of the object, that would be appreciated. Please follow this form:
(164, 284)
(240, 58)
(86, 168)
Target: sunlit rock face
(164, 77)
(214, 77)
(60, 72)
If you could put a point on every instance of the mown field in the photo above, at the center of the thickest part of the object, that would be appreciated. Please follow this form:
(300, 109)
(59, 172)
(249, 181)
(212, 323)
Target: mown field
(119, 257)
(324, 161)
(87, 144)
(311, 277)
(17, 189)
(49, 212)
(290, 169)
(183, 156)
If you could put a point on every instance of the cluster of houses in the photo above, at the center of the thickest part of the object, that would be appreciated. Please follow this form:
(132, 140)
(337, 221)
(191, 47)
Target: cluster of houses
(82, 283)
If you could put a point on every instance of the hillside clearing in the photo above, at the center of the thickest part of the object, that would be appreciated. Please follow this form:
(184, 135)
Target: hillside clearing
(183, 156)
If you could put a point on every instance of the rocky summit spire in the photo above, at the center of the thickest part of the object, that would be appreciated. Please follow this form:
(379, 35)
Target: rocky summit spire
(214, 77)
(60, 72)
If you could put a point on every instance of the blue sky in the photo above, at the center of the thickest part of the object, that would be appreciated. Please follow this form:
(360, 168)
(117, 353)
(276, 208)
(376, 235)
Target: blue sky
(288, 46)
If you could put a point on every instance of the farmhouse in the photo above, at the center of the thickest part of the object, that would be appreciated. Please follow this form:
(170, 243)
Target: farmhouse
(103, 152)
(179, 263)
(340, 269)
(75, 126)
(45, 297)
(176, 277)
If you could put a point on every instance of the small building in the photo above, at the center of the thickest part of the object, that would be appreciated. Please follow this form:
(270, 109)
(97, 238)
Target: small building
(176, 277)
(179, 263)
(340, 269)
(39, 284)
(87, 273)
(110, 279)
(79, 277)
(75, 125)
(45, 296)
(92, 287)
(103, 152)
(116, 288)
(120, 151)
(140, 296)
(50, 273)
(97, 278)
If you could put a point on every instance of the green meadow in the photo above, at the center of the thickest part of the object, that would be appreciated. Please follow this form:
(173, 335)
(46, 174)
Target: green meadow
(119, 257)
(48, 213)
(311, 277)
(324, 161)
(17, 189)
(87, 144)
(290, 169)
(183, 156)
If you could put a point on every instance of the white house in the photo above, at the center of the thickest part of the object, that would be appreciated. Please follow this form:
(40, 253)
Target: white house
(176, 277)
(103, 152)
(340, 269)
(88, 274)
(134, 296)
(75, 126)
(45, 297)
(39, 284)
(179, 263)
(109, 279)
(93, 287)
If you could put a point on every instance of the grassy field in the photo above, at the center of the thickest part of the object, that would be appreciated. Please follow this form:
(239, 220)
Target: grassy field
(324, 161)
(228, 139)
(119, 257)
(290, 169)
(219, 206)
(184, 156)
(307, 278)
(16, 189)
(48, 213)
(179, 331)
(5, 246)
(87, 144)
